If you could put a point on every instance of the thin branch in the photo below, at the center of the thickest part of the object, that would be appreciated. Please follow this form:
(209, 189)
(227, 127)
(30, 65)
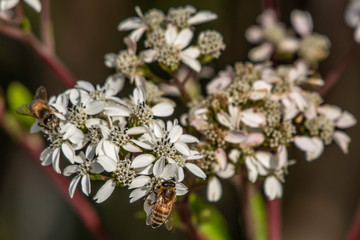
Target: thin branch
(34, 146)
(43, 52)
(354, 233)
(334, 76)
(274, 219)
(182, 89)
(272, 4)
(45, 25)
(185, 214)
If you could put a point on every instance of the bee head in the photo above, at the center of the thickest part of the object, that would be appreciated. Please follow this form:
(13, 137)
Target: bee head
(168, 184)
(44, 113)
(49, 119)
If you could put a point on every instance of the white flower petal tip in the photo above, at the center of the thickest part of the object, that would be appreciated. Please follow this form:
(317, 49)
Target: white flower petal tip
(105, 191)
(342, 140)
(214, 189)
(195, 170)
(313, 147)
(142, 160)
(302, 22)
(272, 188)
(221, 158)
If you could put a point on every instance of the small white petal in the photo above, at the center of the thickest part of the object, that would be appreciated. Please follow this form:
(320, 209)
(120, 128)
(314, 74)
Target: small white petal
(186, 138)
(254, 34)
(234, 155)
(253, 119)
(302, 22)
(68, 151)
(181, 189)
(142, 160)
(105, 191)
(85, 184)
(175, 133)
(107, 163)
(95, 107)
(170, 34)
(195, 170)
(235, 136)
(56, 160)
(131, 148)
(182, 148)
(251, 168)
(252, 140)
(228, 172)
(346, 120)
(202, 17)
(330, 111)
(180, 174)
(191, 62)
(130, 24)
(137, 194)
(163, 109)
(170, 171)
(137, 34)
(139, 181)
(35, 4)
(159, 166)
(224, 119)
(73, 184)
(261, 53)
(214, 189)
(71, 169)
(342, 140)
(272, 188)
(183, 38)
(221, 158)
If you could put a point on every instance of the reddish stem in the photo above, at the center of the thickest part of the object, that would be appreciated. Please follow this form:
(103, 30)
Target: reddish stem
(273, 5)
(354, 233)
(45, 25)
(80, 205)
(185, 214)
(333, 77)
(42, 51)
(274, 219)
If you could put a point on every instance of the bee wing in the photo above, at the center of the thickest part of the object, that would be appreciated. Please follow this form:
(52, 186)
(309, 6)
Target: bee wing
(170, 220)
(24, 110)
(41, 93)
(149, 216)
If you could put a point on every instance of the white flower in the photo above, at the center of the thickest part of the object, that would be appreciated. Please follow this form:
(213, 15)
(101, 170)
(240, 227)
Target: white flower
(176, 42)
(127, 63)
(6, 5)
(67, 140)
(222, 170)
(138, 25)
(82, 171)
(165, 142)
(249, 117)
(144, 185)
(312, 146)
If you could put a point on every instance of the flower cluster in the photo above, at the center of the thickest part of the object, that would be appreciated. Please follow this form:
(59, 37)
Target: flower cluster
(352, 18)
(253, 113)
(244, 124)
(281, 43)
(167, 41)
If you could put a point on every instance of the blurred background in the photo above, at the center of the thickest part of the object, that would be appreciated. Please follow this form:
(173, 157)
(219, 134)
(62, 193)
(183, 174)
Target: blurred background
(320, 198)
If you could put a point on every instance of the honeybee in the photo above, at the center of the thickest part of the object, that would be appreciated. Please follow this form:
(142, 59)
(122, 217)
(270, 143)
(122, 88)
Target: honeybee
(39, 108)
(162, 211)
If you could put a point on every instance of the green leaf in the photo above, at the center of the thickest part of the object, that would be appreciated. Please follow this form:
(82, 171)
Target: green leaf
(16, 95)
(25, 25)
(210, 221)
(258, 209)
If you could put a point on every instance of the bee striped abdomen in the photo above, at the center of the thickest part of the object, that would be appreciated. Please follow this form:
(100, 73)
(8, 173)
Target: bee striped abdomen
(161, 212)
